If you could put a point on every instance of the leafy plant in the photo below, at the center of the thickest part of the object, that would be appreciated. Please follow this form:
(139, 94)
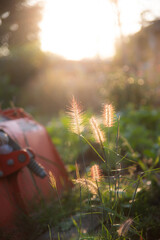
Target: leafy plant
(114, 191)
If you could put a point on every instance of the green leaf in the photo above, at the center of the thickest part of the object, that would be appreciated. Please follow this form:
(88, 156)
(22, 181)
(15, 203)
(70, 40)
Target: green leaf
(76, 225)
(58, 236)
(155, 162)
(142, 165)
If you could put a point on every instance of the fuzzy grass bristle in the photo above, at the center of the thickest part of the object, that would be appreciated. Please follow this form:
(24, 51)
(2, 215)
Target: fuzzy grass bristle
(85, 183)
(109, 115)
(123, 229)
(52, 180)
(98, 133)
(75, 112)
(96, 173)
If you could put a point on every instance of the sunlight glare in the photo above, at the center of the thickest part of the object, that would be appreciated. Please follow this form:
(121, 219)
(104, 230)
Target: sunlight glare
(78, 29)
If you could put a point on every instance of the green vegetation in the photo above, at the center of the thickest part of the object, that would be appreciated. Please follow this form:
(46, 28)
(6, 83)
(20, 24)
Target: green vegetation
(138, 177)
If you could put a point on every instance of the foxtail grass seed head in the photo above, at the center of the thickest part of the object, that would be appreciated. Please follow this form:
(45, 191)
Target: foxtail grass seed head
(98, 133)
(85, 183)
(109, 115)
(123, 229)
(96, 173)
(75, 112)
(52, 180)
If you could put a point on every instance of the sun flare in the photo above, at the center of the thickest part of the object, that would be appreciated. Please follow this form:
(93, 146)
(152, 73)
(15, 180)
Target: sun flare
(77, 29)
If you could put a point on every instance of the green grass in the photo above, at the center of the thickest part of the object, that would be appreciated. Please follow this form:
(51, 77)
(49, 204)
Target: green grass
(132, 194)
(139, 140)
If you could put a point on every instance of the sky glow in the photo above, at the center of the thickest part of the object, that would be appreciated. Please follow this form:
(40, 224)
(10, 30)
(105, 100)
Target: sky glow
(77, 29)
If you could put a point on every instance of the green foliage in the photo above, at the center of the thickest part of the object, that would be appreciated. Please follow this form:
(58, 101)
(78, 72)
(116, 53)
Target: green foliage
(20, 56)
(19, 22)
(50, 215)
(63, 139)
(141, 129)
(15, 72)
(123, 87)
(139, 135)
(7, 91)
(147, 208)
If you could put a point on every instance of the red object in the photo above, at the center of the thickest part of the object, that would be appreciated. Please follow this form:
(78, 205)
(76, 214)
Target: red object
(6, 168)
(19, 187)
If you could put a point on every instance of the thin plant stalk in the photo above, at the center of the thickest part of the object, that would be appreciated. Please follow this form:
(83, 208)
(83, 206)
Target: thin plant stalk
(100, 198)
(99, 156)
(77, 127)
(54, 185)
(50, 234)
(96, 176)
(89, 195)
(107, 160)
(80, 193)
(83, 159)
(58, 236)
(93, 148)
(119, 165)
(134, 195)
(80, 223)
(100, 139)
(108, 115)
(117, 175)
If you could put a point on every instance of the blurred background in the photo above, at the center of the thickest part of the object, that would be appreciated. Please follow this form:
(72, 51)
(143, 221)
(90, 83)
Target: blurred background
(97, 50)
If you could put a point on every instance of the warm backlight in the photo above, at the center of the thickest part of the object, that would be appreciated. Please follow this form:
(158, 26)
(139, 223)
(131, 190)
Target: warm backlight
(77, 29)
